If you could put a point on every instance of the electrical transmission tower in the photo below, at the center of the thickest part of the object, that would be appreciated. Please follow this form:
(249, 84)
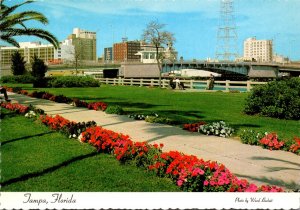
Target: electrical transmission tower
(227, 49)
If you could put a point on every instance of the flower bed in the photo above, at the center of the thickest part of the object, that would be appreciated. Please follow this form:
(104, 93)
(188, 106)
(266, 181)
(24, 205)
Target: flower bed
(97, 106)
(60, 99)
(216, 128)
(187, 171)
(78, 103)
(70, 128)
(270, 141)
(21, 109)
(295, 148)
(193, 127)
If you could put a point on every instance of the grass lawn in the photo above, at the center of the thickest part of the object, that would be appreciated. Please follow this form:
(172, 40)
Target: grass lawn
(182, 106)
(37, 159)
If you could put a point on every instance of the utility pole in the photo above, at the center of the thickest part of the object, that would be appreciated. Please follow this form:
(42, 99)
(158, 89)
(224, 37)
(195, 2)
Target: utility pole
(227, 38)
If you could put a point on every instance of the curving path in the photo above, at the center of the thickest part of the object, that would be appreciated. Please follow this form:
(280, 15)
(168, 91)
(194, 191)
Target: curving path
(257, 165)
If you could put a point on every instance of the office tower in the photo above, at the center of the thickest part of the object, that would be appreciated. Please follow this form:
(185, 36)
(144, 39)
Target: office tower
(258, 50)
(85, 44)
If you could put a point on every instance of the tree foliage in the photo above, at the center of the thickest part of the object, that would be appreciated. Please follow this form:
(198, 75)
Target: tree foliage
(18, 64)
(12, 24)
(39, 68)
(155, 35)
(278, 99)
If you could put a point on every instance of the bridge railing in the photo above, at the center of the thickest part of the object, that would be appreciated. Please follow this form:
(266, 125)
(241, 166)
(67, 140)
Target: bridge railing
(242, 86)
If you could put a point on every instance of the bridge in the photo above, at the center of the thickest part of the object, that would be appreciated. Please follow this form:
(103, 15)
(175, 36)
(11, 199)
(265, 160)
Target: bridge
(242, 69)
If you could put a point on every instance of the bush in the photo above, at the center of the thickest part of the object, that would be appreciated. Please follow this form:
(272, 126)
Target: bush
(78, 103)
(137, 116)
(39, 68)
(278, 99)
(73, 81)
(161, 120)
(115, 109)
(142, 116)
(73, 129)
(60, 99)
(40, 82)
(22, 79)
(250, 137)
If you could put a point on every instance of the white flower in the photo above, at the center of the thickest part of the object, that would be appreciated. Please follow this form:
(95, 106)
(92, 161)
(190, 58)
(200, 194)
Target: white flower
(74, 135)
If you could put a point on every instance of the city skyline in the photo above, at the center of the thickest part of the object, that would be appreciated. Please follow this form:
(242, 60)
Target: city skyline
(193, 22)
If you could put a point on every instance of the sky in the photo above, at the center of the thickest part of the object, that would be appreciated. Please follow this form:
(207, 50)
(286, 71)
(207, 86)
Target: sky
(194, 23)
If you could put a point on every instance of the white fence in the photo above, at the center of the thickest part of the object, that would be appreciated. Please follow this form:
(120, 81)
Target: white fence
(227, 85)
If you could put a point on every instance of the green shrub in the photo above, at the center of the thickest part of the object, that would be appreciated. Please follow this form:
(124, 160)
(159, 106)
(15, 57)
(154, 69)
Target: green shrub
(38, 67)
(21, 79)
(279, 99)
(40, 82)
(114, 109)
(250, 137)
(18, 64)
(162, 120)
(73, 81)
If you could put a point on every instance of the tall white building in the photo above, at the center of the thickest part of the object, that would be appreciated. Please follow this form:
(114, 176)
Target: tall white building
(258, 50)
(79, 33)
(65, 52)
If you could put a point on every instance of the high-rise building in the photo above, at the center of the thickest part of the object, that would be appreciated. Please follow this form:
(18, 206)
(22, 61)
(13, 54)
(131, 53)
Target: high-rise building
(258, 50)
(83, 41)
(85, 44)
(65, 52)
(108, 54)
(126, 51)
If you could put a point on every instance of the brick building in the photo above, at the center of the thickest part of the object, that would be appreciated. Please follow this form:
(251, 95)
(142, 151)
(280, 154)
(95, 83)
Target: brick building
(126, 51)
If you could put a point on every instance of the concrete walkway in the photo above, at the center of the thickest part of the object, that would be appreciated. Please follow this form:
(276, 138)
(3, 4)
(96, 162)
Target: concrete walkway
(257, 165)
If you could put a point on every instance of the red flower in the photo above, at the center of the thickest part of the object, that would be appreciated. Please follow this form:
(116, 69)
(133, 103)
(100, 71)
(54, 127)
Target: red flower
(271, 141)
(193, 127)
(295, 147)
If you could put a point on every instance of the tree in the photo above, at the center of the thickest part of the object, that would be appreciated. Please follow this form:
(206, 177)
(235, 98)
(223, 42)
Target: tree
(13, 24)
(155, 35)
(39, 68)
(75, 56)
(18, 64)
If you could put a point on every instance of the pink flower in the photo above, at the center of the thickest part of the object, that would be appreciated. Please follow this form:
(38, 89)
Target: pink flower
(179, 182)
(206, 183)
(252, 188)
(220, 182)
